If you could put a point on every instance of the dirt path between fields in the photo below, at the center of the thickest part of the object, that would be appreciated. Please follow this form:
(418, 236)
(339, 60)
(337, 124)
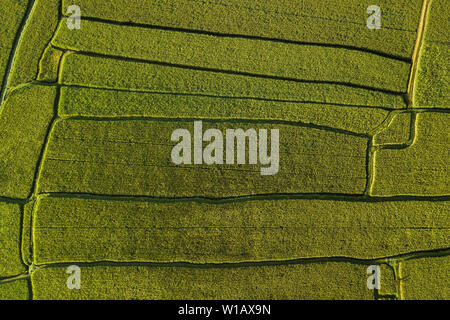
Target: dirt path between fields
(417, 47)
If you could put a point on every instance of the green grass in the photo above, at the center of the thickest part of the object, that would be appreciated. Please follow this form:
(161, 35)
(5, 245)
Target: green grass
(27, 245)
(304, 281)
(360, 171)
(49, 65)
(15, 290)
(311, 63)
(10, 229)
(12, 12)
(398, 130)
(426, 279)
(305, 21)
(35, 37)
(24, 120)
(134, 158)
(433, 76)
(90, 102)
(128, 75)
(433, 79)
(388, 283)
(438, 23)
(87, 230)
(419, 169)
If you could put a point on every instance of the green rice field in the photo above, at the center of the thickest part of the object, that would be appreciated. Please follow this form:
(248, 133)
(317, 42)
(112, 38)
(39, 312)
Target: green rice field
(355, 121)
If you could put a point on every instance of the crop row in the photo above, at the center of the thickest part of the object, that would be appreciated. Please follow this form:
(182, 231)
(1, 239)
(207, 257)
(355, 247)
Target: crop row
(12, 13)
(10, 229)
(286, 60)
(87, 70)
(129, 229)
(342, 23)
(134, 158)
(316, 280)
(37, 33)
(433, 77)
(423, 278)
(90, 102)
(420, 168)
(24, 120)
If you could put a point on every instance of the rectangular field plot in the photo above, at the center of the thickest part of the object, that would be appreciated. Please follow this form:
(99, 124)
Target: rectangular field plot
(303, 281)
(307, 21)
(24, 121)
(14, 290)
(37, 33)
(12, 12)
(133, 157)
(420, 168)
(433, 77)
(87, 229)
(10, 235)
(426, 278)
(266, 58)
(89, 102)
(92, 71)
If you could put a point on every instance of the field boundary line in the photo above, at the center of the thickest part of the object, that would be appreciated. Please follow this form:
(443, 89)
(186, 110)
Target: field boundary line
(236, 73)
(33, 192)
(201, 95)
(8, 279)
(12, 54)
(249, 37)
(18, 201)
(293, 123)
(416, 53)
(206, 168)
(288, 14)
(243, 198)
(442, 252)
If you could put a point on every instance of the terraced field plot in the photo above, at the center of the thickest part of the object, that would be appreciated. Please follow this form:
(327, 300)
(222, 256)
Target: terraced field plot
(87, 179)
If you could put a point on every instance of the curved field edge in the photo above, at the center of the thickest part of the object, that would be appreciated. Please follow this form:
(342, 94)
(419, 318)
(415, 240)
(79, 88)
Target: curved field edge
(432, 80)
(397, 280)
(97, 71)
(279, 20)
(267, 58)
(11, 30)
(37, 33)
(84, 102)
